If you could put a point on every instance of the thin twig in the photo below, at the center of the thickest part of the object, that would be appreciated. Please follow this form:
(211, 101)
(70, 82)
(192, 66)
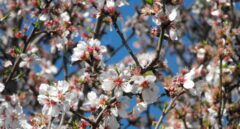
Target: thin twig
(49, 123)
(169, 107)
(158, 50)
(65, 70)
(180, 55)
(83, 117)
(221, 94)
(121, 46)
(17, 61)
(126, 44)
(27, 42)
(61, 121)
(159, 45)
(100, 115)
(184, 123)
(165, 112)
(233, 14)
(99, 23)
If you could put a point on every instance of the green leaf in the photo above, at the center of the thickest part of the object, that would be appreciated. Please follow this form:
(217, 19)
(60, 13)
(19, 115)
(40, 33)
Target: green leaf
(116, 69)
(6, 72)
(224, 66)
(15, 29)
(150, 2)
(37, 23)
(39, 2)
(204, 42)
(226, 22)
(20, 75)
(89, 29)
(206, 122)
(5, 17)
(235, 126)
(162, 127)
(75, 125)
(150, 72)
(238, 66)
(18, 50)
(165, 105)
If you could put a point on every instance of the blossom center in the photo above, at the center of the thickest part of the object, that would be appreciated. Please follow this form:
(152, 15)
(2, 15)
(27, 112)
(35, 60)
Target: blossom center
(145, 84)
(51, 103)
(61, 96)
(90, 49)
(118, 82)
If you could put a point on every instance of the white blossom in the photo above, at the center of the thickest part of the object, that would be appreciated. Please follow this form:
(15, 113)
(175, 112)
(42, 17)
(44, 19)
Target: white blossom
(2, 87)
(146, 86)
(139, 108)
(84, 49)
(111, 79)
(65, 16)
(173, 34)
(43, 17)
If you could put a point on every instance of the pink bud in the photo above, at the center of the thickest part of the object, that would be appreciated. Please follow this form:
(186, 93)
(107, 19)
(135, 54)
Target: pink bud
(19, 35)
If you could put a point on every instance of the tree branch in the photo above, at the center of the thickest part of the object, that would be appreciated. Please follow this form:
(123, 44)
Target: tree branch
(158, 50)
(221, 94)
(99, 23)
(99, 117)
(17, 61)
(121, 46)
(125, 43)
(169, 107)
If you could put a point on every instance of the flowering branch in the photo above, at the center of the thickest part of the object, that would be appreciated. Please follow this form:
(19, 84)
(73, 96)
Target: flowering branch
(100, 115)
(17, 61)
(84, 118)
(27, 42)
(37, 39)
(158, 50)
(99, 22)
(165, 111)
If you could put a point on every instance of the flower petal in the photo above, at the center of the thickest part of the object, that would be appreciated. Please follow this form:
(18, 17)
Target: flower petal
(188, 84)
(173, 34)
(107, 85)
(92, 96)
(150, 95)
(173, 14)
(139, 108)
(1, 87)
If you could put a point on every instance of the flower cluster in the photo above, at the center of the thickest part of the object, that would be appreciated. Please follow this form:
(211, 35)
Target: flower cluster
(56, 99)
(90, 51)
(165, 15)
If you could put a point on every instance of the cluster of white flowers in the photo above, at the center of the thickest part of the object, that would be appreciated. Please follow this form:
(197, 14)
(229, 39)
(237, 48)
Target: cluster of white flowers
(30, 58)
(116, 79)
(165, 15)
(11, 114)
(102, 95)
(112, 3)
(86, 51)
(137, 84)
(57, 98)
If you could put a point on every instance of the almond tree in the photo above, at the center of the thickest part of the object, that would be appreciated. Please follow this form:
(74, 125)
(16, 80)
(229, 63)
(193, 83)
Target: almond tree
(181, 70)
